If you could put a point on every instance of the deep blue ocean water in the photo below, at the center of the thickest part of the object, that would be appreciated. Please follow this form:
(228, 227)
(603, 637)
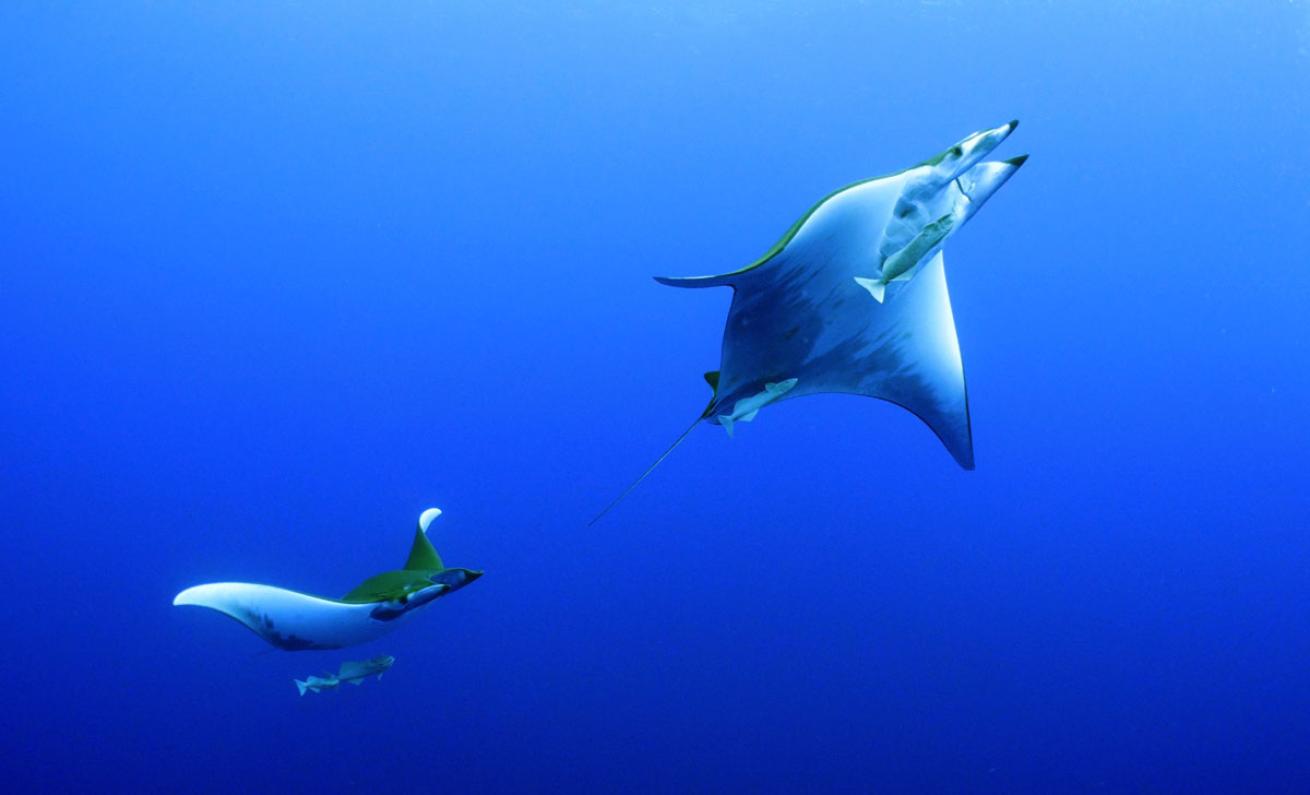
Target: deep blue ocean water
(274, 277)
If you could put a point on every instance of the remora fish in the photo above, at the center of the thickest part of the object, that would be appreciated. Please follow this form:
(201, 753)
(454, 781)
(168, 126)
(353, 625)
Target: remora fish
(350, 671)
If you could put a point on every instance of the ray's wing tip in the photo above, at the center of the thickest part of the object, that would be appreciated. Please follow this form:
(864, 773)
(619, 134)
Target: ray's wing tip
(682, 281)
(694, 281)
(191, 596)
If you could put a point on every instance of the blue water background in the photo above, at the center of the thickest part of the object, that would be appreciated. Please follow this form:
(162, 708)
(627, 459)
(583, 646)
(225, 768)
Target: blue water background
(274, 277)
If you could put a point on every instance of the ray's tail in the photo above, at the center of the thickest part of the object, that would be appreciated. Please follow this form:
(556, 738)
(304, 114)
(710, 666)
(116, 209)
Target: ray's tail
(681, 438)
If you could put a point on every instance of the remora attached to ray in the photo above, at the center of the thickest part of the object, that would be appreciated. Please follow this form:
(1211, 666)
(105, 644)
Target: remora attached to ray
(853, 298)
(352, 671)
(297, 621)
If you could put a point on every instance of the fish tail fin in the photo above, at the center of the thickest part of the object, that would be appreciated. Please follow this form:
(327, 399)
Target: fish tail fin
(649, 470)
(876, 288)
(303, 686)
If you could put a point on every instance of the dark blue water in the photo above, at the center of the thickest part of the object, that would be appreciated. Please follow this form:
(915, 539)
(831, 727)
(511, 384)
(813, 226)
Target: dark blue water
(276, 277)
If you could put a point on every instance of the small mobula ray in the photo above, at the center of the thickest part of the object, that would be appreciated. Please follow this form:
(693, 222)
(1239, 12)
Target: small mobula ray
(853, 300)
(297, 621)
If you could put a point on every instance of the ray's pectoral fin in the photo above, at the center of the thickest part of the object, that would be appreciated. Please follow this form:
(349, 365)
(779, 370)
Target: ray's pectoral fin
(287, 619)
(928, 371)
(723, 280)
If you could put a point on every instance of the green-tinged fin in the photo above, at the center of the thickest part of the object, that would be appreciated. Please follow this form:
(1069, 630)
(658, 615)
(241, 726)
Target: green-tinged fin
(727, 278)
(422, 563)
(422, 555)
(711, 378)
(388, 586)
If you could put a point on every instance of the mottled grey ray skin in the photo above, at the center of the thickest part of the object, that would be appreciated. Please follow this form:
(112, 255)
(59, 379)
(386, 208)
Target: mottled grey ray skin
(798, 312)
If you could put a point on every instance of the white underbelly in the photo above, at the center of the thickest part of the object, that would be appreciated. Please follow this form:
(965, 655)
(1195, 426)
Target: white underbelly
(289, 619)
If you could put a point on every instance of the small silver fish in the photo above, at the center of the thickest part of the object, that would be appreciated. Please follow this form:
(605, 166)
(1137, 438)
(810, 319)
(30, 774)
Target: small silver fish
(350, 671)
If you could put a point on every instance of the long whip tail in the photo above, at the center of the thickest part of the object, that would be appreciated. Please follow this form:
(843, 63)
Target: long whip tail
(649, 470)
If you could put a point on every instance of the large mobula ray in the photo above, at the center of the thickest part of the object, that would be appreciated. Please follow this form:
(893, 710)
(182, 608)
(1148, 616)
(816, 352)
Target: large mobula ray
(853, 299)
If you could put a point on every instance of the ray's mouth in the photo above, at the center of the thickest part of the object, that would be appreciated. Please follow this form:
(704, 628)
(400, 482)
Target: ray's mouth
(960, 187)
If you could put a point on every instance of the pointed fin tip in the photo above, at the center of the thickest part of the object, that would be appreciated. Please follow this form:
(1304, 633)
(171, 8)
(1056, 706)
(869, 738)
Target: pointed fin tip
(876, 288)
(188, 596)
(1017, 161)
(425, 518)
(720, 280)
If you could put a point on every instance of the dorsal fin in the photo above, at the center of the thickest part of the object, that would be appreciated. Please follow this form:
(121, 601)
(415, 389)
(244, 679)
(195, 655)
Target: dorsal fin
(422, 555)
(711, 378)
